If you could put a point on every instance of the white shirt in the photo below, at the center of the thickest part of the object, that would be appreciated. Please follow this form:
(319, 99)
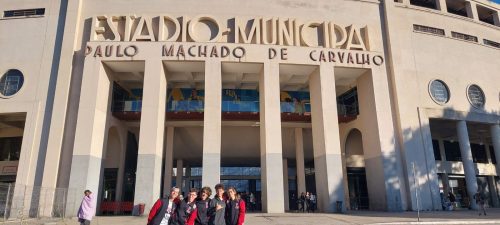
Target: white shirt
(165, 219)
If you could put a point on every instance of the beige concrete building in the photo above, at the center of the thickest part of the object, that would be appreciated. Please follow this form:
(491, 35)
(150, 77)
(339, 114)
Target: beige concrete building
(377, 105)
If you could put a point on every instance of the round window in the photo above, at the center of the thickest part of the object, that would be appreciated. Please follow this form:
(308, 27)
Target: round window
(475, 96)
(439, 91)
(11, 82)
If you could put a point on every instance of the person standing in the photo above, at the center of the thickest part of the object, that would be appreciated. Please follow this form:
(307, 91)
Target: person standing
(235, 210)
(480, 201)
(203, 206)
(312, 199)
(87, 208)
(253, 202)
(162, 212)
(218, 207)
(302, 202)
(185, 213)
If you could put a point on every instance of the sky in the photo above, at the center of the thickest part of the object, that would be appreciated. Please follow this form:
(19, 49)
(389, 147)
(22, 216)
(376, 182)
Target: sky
(497, 1)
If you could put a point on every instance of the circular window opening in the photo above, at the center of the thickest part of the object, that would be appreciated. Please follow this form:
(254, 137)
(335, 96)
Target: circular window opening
(11, 82)
(439, 91)
(475, 96)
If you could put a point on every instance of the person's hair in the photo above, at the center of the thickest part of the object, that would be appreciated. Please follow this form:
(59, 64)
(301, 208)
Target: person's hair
(206, 189)
(193, 190)
(87, 191)
(236, 195)
(219, 186)
(174, 188)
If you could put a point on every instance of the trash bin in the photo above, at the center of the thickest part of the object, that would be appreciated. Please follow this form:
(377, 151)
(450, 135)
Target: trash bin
(339, 206)
(141, 209)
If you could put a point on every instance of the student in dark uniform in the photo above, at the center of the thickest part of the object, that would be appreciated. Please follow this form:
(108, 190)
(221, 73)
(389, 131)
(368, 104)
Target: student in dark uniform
(218, 206)
(235, 208)
(203, 206)
(185, 213)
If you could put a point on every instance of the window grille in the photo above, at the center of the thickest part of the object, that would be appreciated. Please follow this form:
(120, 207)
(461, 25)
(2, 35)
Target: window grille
(465, 37)
(491, 43)
(430, 30)
(24, 12)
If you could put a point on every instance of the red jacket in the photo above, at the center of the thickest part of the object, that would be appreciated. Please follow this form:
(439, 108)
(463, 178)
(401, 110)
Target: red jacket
(157, 207)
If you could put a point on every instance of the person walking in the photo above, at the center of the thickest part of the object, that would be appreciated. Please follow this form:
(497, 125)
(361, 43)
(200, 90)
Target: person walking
(87, 208)
(185, 213)
(480, 201)
(253, 202)
(162, 212)
(235, 208)
(203, 206)
(218, 207)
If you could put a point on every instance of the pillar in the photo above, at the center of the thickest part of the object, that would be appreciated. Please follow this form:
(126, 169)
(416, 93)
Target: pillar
(180, 174)
(90, 131)
(495, 138)
(271, 156)
(496, 18)
(493, 191)
(384, 171)
(169, 161)
(468, 164)
(446, 184)
(151, 134)
(187, 182)
(299, 154)
(471, 9)
(441, 4)
(285, 184)
(326, 141)
(212, 123)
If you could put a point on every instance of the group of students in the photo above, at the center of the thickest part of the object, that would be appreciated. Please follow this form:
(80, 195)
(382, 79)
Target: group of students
(306, 201)
(226, 208)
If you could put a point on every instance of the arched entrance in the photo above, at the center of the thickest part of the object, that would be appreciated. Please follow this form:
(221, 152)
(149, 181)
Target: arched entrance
(356, 174)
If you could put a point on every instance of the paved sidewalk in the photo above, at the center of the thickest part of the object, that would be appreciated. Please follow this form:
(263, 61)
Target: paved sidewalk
(352, 217)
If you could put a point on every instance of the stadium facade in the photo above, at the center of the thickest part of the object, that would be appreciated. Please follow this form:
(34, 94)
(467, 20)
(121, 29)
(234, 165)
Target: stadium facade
(379, 105)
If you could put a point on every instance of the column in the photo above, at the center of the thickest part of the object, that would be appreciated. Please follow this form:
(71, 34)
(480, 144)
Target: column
(471, 9)
(285, 184)
(271, 156)
(212, 123)
(496, 18)
(441, 4)
(187, 182)
(326, 141)
(180, 174)
(465, 151)
(446, 184)
(169, 161)
(90, 131)
(383, 160)
(151, 134)
(299, 154)
(495, 138)
(493, 191)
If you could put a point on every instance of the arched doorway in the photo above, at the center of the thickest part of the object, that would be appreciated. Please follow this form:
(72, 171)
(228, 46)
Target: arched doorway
(356, 174)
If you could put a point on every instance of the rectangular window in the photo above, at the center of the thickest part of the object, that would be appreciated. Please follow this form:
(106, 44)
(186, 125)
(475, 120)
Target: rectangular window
(24, 12)
(478, 153)
(491, 43)
(452, 151)
(492, 154)
(430, 30)
(435, 146)
(10, 148)
(465, 37)
(431, 4)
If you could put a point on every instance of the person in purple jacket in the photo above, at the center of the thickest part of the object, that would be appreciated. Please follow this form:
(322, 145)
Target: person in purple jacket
(87, 208)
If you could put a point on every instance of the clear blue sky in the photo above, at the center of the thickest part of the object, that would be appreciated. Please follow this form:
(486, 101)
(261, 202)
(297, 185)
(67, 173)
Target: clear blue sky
(497, 1)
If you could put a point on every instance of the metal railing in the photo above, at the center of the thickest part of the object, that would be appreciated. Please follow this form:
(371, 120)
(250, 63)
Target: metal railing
(21, 202)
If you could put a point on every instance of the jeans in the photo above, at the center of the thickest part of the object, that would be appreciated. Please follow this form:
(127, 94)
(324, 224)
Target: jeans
(84, 222)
